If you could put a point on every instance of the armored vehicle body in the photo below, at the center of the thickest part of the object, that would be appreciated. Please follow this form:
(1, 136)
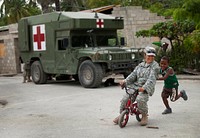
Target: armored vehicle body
(78, 44)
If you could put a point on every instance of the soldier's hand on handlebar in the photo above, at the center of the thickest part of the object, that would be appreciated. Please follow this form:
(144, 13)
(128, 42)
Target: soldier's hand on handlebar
(122, 84)
(141, 89)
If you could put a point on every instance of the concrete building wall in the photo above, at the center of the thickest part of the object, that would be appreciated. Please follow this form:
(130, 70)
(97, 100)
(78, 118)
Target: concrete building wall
(9, 51)
(135, 19)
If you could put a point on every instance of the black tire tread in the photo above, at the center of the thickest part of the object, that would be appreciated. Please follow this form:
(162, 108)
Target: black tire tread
(43, 75)
(97, 76)
(121, 119)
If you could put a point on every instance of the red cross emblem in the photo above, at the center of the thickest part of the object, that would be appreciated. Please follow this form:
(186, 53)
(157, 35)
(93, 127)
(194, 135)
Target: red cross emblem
(100, 23)
(39, 43)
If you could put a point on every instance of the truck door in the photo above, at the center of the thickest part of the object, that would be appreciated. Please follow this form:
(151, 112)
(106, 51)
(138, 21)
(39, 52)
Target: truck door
(63, 56)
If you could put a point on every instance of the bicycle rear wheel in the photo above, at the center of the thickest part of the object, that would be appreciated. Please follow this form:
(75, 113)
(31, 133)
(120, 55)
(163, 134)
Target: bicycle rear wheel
(138, 117)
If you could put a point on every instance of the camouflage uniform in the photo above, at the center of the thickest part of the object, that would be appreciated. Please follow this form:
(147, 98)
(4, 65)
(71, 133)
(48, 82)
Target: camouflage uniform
(26, 73)
(144, 75)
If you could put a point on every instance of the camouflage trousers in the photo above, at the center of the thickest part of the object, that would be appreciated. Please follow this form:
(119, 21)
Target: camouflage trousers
(141, 99)
(26, 76)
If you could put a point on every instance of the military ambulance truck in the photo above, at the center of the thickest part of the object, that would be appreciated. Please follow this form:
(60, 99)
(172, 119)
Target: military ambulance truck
(79, 44)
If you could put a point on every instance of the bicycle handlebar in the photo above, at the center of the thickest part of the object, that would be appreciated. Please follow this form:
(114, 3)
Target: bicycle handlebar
(135, 90)
(126, 89)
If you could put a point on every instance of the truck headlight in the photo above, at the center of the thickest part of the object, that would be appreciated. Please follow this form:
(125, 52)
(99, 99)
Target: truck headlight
(132, 56)
(110, 57)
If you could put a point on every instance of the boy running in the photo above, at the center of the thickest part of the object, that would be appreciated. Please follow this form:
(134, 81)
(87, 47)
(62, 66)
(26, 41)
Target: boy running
(171, 84)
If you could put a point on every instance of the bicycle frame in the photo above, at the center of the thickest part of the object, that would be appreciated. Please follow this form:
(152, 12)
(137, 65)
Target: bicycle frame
(131, 105)
(130, 108)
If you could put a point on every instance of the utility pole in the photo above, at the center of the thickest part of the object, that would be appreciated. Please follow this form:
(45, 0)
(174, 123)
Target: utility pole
(57, 3)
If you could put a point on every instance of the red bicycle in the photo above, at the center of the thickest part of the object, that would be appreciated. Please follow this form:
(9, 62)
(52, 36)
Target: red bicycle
(130, 108)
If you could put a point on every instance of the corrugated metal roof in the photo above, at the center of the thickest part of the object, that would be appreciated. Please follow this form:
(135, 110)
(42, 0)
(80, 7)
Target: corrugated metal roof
(86, 15)
(101, 9)
(4, 28)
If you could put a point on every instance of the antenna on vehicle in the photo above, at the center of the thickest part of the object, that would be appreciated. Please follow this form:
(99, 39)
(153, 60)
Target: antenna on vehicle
(59, 16)
(91, 39)
(96, 16)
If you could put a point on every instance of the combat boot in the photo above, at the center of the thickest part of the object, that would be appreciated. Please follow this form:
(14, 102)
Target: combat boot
(24, 79)
(116, 120)
(29, 80)
(144, 120)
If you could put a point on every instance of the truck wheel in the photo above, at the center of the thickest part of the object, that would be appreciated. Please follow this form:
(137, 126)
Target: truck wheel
(37, 73)
(90, 74)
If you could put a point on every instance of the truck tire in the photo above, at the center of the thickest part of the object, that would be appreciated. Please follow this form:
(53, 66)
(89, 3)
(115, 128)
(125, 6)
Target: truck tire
(90, 74)
(37, 73)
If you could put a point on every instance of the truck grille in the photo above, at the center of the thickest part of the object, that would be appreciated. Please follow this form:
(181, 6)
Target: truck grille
(121, 56)
(121, 65)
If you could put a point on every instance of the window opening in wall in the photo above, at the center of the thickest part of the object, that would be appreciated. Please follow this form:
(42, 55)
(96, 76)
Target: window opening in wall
(2, 49)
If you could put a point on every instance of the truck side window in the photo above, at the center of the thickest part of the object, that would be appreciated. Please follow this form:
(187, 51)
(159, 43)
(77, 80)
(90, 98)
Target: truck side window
(63, 44)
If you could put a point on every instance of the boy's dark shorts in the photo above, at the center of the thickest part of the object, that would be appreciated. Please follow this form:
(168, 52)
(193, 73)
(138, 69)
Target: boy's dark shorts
(167, 92)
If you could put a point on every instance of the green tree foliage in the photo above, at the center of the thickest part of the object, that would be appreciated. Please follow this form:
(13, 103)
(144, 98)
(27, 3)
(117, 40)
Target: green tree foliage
(165, 7)
(13, 10)
(144, 3)
(57, 4)
(189, 11)
(75, 5)
(46, 5)
(192, 46)
(95, 4)
(176, 32)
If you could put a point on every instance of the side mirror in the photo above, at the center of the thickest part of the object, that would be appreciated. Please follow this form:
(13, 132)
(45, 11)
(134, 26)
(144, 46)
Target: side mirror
(122, 41)
(65, 42)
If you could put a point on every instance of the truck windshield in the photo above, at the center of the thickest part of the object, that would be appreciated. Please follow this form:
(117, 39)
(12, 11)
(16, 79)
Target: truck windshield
(106, 40)
(101, 40)
(81, 41)
(91, 38)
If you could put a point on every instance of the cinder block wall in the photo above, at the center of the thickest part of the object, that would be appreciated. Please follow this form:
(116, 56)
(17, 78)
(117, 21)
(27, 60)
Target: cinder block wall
(9, 60)
(135, 19)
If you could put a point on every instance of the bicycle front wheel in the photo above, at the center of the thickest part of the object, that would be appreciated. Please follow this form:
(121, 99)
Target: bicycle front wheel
(123, 118)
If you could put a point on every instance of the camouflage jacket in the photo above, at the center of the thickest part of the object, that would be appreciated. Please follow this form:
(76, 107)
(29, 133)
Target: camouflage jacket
(144, 75)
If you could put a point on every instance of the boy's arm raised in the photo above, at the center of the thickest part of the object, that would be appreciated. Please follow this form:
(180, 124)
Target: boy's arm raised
(169, 72)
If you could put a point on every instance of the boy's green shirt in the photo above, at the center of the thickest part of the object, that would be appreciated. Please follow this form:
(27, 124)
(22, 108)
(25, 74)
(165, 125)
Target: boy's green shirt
(171, 81)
